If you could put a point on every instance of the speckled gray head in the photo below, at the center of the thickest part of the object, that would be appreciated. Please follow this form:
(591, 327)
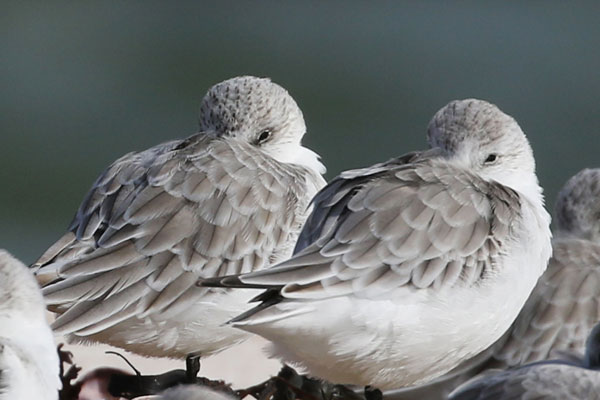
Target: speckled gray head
(482, 133)
(249, 105)
(577, 208)
(261, 113)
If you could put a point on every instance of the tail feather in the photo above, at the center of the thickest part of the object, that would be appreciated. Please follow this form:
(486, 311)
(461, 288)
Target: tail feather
(267, 299)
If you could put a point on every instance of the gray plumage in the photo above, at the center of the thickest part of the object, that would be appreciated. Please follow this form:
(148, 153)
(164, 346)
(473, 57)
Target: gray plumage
(571, 379)
(577, 210)
(564, 305)
(413, 246)
(229, 199)
(399, 221)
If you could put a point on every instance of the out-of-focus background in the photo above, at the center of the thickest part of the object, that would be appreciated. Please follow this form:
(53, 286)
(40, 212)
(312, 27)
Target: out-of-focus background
(84, 82)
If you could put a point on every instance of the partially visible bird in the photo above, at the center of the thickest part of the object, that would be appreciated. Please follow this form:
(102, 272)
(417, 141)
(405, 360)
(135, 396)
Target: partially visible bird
(575, 378)
(565, 303)
(29, 364)
(229, 199)
(194, 392)
(406, 268)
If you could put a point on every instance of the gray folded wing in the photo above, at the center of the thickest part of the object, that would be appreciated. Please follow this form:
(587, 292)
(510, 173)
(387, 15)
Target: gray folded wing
(330, 200)
(422, 223)
(155, 221)
(562, 308)
(536, 381)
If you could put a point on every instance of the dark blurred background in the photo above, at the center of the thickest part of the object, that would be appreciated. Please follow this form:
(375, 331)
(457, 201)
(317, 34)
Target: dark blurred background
(84, 82)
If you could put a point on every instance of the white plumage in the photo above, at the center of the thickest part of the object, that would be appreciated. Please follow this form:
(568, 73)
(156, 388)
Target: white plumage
(29, 365)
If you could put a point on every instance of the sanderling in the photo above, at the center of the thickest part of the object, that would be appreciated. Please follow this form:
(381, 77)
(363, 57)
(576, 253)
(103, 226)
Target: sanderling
(229, 199)
(406, 268)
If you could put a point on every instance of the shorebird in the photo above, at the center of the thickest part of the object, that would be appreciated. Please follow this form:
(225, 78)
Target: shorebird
(406, 268)
(574, 378)
(29, 364)
(229, 199)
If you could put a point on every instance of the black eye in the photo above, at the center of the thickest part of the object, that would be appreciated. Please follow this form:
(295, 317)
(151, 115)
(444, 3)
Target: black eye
(491, 158)
(263, 137)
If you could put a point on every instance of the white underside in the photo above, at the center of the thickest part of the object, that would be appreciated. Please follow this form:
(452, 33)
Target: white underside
(409, 339)
(29, 365)
(200, 329)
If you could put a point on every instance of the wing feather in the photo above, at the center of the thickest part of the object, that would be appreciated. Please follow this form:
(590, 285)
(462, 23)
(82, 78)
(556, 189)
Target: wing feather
(419, 222)
(562, 309)
(156, 221)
